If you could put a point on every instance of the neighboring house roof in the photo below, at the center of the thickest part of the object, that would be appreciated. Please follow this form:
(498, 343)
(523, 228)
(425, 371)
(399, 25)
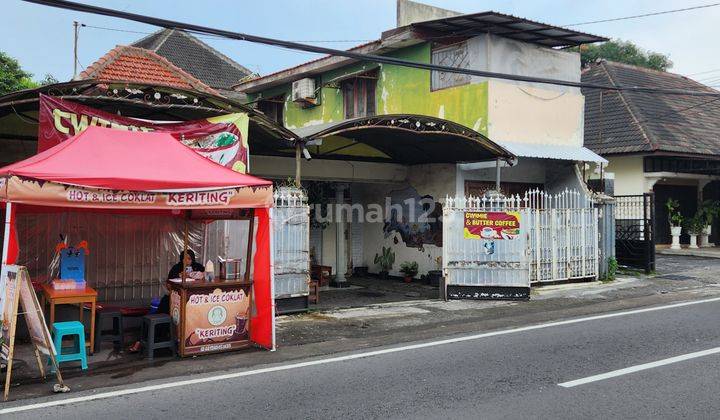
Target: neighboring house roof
(456, 27)
(636, 122)
(132, 64)
(195, 57)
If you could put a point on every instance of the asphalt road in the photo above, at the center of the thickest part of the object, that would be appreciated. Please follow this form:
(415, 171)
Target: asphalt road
(515, 375)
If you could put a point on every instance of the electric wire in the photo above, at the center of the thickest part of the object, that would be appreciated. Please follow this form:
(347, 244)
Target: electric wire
(165, 23)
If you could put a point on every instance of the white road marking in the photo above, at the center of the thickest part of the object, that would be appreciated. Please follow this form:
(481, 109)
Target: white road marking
(638, 368)
(148, 388)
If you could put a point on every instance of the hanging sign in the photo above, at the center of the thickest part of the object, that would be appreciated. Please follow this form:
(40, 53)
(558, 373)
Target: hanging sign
(492, 225)
(16, 291)
(222, 139)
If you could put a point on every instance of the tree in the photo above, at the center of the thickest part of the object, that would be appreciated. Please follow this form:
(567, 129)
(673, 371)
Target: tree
(624, 52)
(12, 76)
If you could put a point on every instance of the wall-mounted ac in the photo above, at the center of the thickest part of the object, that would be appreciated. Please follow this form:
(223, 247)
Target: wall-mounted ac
(303, 92)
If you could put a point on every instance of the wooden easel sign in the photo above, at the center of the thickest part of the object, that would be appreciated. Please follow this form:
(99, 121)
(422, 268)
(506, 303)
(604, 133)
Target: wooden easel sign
(16, 290)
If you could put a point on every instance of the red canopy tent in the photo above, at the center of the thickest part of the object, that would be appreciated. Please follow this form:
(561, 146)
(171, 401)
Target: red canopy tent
(105, 169)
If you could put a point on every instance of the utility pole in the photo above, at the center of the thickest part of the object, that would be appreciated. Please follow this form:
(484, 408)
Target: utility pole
(76, 28)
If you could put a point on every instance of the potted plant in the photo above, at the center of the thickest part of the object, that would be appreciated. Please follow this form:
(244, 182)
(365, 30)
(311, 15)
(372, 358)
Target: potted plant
(409, 270)
(710, 209)
(694, 227)
(676, 221)
(385, 261)
(434, 276)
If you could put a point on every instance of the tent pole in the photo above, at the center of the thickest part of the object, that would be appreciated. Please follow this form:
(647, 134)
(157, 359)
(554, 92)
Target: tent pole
(497, 175)
(185, 248)
(6, 236)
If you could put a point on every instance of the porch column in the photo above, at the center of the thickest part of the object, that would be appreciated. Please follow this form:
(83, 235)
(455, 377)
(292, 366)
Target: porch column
(340, 257)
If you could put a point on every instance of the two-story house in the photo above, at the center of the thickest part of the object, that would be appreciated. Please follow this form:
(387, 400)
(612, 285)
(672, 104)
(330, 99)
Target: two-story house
(384, 134)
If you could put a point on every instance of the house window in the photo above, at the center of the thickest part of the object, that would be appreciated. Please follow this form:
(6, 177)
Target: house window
(273, 108)
(455, 55)
(359, 95)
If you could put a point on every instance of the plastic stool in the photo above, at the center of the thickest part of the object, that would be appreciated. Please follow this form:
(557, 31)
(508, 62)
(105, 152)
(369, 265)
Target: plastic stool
(78, 351)
(115, 334)
(147, 336)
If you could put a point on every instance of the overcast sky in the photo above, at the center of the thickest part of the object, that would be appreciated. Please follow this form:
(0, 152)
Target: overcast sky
(41, 37)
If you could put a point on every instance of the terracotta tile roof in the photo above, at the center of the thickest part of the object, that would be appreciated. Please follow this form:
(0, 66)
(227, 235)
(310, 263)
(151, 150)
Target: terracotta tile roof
(134, 64)
(632, 122)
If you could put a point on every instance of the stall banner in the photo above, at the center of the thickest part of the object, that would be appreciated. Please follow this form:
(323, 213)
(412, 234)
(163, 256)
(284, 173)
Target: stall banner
(223, 139)
(216, 320)
(30, 191)
(492, 225)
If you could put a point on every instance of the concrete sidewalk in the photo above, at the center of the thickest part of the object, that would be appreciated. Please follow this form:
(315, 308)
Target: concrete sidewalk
(330, 331)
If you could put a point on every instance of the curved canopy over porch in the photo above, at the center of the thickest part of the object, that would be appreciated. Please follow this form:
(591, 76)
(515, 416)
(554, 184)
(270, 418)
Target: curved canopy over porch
(399, 138)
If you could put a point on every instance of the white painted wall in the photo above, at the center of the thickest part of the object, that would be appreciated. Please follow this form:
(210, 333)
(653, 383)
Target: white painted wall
(629, 175)
(526, 114)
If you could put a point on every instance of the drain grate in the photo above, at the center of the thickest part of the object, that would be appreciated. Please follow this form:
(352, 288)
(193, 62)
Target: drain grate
(677, 277)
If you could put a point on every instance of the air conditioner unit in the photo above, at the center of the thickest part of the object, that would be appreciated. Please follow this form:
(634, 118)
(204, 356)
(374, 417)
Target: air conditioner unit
(303, 91)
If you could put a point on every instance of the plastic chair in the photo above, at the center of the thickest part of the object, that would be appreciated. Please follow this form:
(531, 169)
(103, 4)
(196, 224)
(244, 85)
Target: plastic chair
(78, 351)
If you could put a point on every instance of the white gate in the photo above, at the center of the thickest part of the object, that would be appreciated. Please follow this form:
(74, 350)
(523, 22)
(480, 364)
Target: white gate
(563, 236)
(291, 230)
(501, 243)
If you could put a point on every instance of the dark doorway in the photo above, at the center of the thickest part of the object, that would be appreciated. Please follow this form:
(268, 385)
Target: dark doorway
(687, 196)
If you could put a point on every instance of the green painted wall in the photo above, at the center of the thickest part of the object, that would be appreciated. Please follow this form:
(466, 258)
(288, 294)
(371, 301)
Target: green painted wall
(400, 90)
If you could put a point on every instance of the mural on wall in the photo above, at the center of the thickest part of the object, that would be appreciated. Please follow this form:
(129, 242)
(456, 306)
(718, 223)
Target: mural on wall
(418, 219)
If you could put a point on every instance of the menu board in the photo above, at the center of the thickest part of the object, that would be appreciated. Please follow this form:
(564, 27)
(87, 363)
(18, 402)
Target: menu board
(216, 320)
(33, 316)
(8, 307)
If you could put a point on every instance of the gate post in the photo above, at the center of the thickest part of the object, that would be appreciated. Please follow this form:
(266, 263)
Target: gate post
(606, 229)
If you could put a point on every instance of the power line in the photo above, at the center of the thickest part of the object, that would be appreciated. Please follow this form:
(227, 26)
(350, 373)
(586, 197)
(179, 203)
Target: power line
(105, 28)
(664, 12)
(63, 4)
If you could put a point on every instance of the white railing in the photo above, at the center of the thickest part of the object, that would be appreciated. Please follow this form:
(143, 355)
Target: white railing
(557, 240)
(291, 227)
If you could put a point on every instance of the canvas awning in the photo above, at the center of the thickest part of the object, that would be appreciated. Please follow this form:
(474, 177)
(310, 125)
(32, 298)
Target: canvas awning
(404, 139)
(108, 168)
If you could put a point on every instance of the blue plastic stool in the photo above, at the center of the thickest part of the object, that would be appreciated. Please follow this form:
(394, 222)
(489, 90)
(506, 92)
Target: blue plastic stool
(78, 351)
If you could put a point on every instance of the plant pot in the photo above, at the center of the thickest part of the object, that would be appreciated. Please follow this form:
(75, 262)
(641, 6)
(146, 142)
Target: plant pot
(675, 231)
(434, 277)
(383, 275)
(407, 279)
(705, 237)
(693, 241)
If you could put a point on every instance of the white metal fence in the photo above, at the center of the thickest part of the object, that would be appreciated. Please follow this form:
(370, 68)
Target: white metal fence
(291, 223)
(556, 239)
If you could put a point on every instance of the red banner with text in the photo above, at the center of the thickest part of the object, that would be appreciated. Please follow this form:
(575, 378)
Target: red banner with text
(492, 224)
(223, 139)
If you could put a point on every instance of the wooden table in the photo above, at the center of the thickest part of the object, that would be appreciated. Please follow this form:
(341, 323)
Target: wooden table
(72, 297)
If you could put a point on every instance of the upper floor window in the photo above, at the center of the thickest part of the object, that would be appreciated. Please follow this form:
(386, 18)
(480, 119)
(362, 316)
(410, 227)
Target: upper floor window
(455, 55)
(273, 108)
(359, 95)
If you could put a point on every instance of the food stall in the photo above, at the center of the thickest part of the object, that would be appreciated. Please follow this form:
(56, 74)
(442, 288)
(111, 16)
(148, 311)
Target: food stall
(108, 172)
